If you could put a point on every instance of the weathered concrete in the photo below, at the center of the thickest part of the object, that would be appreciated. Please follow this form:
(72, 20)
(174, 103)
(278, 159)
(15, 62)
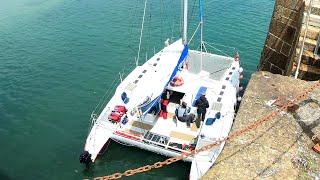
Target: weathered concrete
(279, 149)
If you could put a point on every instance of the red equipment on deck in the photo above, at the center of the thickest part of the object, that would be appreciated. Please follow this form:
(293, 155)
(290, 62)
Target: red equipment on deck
(116, 115)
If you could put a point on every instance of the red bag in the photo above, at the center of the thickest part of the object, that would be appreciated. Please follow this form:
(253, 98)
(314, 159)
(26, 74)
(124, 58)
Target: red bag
(121, 109)
(115, 117)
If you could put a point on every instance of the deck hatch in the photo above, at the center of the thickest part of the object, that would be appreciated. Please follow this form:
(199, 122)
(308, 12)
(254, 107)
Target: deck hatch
(148, 135)
(216, 106)
(155, 138)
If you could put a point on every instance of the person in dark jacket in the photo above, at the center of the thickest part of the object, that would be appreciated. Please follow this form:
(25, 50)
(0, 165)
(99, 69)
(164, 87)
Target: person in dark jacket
(202, 104)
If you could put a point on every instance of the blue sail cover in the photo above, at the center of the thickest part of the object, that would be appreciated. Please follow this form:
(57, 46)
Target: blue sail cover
(146, 108)
(183, 56)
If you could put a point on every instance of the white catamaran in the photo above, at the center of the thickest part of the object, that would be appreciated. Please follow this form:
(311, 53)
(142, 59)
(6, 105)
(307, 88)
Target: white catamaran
(142, 111)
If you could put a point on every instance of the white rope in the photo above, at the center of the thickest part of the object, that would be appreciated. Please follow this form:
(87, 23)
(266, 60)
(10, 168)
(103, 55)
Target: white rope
(221, 45)
(304, 39)
(108, 93)
(217, 49)
(141, 32)
(98, 108)
(204, 46)
(194, 33)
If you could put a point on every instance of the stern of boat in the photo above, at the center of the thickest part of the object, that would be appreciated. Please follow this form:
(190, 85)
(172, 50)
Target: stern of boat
(99, 135)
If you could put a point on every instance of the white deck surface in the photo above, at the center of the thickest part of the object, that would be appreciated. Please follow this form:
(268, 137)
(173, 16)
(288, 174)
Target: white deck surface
(220, 77)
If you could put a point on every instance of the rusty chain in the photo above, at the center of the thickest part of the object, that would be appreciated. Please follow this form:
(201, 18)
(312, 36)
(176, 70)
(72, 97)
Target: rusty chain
(304, 94)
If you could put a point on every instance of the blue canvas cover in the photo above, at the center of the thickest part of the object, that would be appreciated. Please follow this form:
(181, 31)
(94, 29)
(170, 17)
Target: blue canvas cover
(201, 91)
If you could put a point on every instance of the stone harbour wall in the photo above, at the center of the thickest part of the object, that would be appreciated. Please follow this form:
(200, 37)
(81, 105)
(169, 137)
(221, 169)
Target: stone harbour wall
(282, 147)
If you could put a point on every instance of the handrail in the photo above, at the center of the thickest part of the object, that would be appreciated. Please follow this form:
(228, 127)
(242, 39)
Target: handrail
(304, 39)
(109, 92)
(210, 45)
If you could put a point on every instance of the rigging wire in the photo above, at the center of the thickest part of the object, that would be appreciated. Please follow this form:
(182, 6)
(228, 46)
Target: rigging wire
(141, 32)
(113, 86)
(161, 20)
(192, 12)
(131, 36)
(194, 33)
(217, 49)
(116, 80)
(173, 19)
(221, 45)
(147, 47)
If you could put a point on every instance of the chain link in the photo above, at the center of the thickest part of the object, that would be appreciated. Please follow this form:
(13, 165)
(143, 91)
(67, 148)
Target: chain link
(250, 127)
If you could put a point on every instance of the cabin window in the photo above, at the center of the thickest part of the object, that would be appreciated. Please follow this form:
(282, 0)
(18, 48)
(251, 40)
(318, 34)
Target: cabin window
(140, 76)
(219, 99)
(158, 59)
(224, 87)
(136, 81)
(317, 50)
(230, 73)
(144, 71)
(154, 64)
(221, 93)
(233, 68)
(227, 78)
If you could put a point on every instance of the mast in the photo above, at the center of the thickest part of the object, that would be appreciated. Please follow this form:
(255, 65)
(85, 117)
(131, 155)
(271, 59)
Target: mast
(201, 33)
(185, 21)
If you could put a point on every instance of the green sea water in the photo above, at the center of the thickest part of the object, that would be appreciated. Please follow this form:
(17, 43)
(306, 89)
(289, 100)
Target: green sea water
(58, 58)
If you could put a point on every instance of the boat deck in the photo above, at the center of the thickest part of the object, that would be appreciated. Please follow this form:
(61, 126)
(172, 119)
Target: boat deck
(171, 129)
(170, 132)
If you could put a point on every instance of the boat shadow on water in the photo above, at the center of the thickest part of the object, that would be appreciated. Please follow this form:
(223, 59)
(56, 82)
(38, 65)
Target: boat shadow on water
(4, 176)
(119, 158)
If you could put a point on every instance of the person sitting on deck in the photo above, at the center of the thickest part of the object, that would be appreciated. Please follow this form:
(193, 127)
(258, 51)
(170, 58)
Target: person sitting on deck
(183, 114)
(202, 104)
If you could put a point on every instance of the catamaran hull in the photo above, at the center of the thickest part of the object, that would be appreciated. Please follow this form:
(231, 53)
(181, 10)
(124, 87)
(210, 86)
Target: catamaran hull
(219, 83)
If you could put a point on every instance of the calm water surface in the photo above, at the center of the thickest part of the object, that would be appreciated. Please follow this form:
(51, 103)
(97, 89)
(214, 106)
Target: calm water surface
(58, 57)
